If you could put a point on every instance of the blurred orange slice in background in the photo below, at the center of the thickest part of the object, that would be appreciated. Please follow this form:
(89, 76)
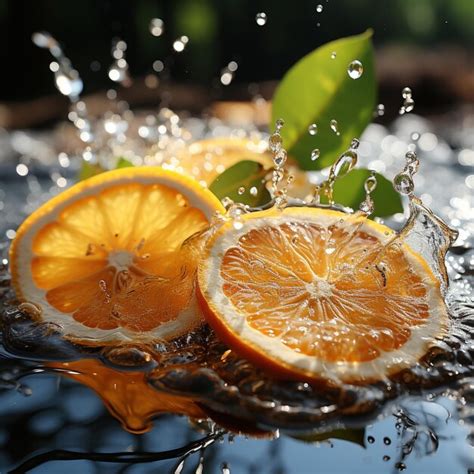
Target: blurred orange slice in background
(205, 160)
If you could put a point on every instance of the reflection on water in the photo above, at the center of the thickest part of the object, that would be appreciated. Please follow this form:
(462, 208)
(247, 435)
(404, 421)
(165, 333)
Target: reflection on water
(61, 414)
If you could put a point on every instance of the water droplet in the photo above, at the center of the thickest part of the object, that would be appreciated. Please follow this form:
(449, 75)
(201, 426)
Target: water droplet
(68, 82)
(43, 39)
(367, 205)
(238, 224)
(225, 468)
(409, 104)
(241, 191)
(117, 74)
(156, 26)
(313, 129)
(386, 458)
(158, 65)
(371, 439)
(22, 169)
(333, 55)
(280, 158)
(275, 141)
(333, 124)
(253, 191)
(415, 136)
(403, 183)
(344, 164)
(380, 110)
(226, 77)
(355, 69)
(400, 466)
(355, 143)
(279, 124)
(261, 19)
(53, 66)
(10, 233)
(412, 163)
(370, 184)
(233, 66)
(315, 154)
(387, 440)
(180, 43)
(411, 156)
(319, 8)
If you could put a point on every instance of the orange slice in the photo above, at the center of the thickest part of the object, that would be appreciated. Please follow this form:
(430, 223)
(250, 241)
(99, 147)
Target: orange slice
(206, 159)
(317, 294)
(110, 259)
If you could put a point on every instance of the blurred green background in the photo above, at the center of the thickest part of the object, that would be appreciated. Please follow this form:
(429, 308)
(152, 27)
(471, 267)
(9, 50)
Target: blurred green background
(219, 31)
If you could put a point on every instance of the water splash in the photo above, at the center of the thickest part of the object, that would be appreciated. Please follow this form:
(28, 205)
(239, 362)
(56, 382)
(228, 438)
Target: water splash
(408, 102)
(261, 19)
(227, 73)
(118, 71)
(334, 126)
(342, 166)
(66, 78)
(201, 368)
(313, 129)
(156, 27)
(180, 44)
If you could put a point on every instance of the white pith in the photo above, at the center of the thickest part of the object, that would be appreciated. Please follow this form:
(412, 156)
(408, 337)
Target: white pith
(211, 284)
(121, 260)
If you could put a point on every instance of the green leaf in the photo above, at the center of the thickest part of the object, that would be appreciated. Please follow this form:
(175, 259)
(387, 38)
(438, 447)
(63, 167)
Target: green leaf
(246, 174)
(88, 170)
(318, 89)
(349, 191)
(356, 436)
(123, 163)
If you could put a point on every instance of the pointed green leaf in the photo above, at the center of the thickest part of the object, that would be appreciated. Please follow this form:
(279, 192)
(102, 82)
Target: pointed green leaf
(246, 174)
(318, 89)
(349, 191)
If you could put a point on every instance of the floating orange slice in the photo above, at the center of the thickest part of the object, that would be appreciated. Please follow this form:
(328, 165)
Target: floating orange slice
(317, 294)
(110, 259)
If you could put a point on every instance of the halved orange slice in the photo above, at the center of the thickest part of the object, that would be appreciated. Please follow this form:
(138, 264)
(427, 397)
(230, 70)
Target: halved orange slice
(317, 294)
(110, 259)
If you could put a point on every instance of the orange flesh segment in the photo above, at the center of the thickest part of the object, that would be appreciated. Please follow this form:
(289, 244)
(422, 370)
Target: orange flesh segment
(317, 290)
(116, 259)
